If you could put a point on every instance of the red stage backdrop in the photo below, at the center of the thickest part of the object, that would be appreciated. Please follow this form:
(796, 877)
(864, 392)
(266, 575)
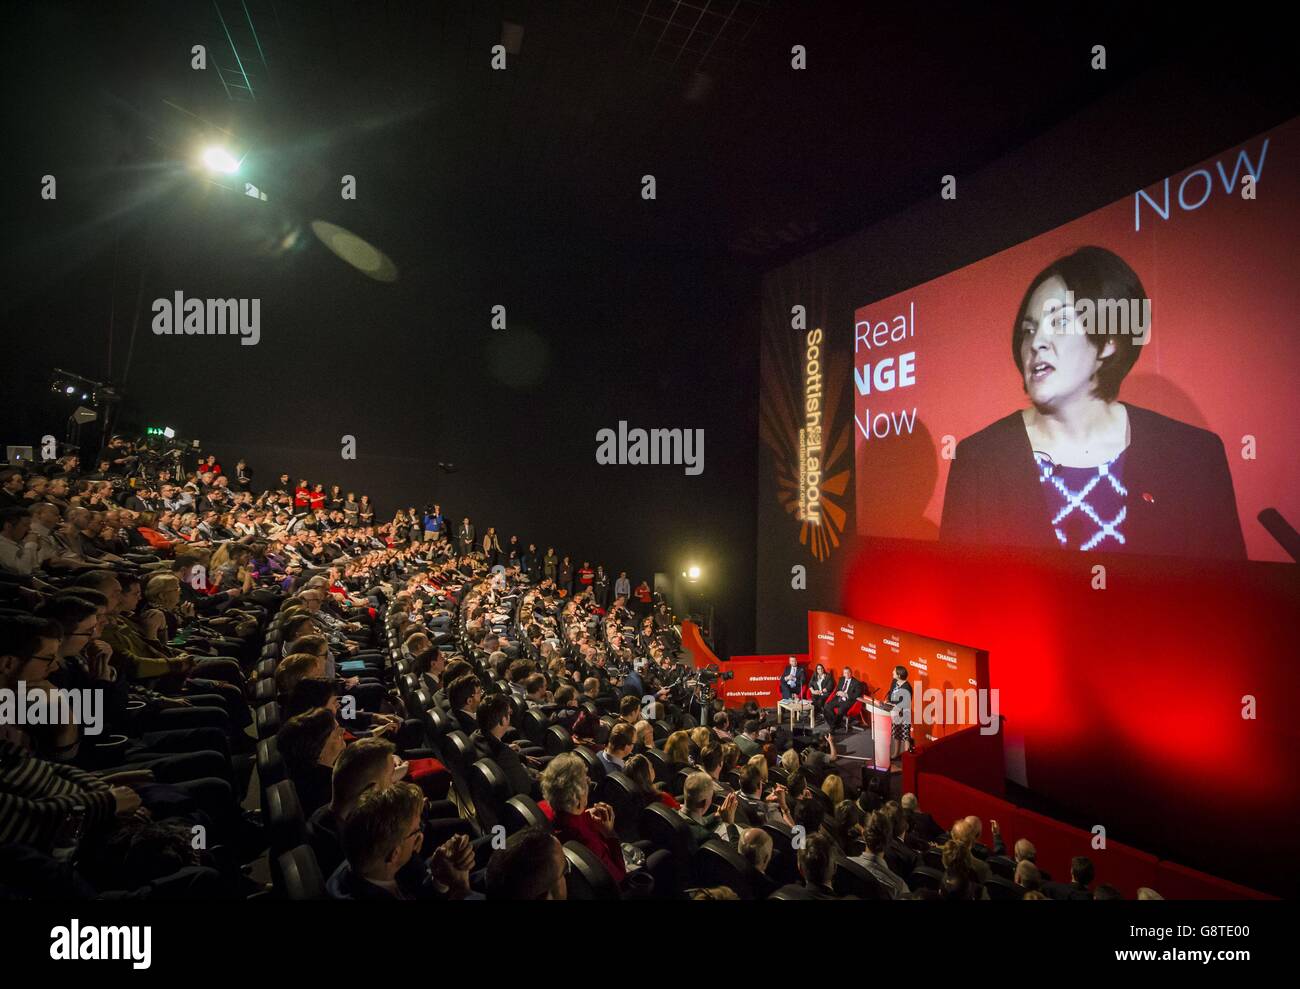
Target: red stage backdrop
(1152, 698)
(872, 651)
(757, 678)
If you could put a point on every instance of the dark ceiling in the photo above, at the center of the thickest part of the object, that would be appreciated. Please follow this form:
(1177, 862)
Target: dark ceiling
(752, 159)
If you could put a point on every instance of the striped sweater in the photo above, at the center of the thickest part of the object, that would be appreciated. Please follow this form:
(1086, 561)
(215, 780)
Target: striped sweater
(36, 796)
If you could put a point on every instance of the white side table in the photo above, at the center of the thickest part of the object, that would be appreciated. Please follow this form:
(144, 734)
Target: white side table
(796, 708)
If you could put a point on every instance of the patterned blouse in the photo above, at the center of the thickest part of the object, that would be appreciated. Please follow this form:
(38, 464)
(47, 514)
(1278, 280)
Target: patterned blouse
(1088, 504)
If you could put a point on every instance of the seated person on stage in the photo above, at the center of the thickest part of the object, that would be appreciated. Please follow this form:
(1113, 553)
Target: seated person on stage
(820, 686)
(792, 680)
(845, 694)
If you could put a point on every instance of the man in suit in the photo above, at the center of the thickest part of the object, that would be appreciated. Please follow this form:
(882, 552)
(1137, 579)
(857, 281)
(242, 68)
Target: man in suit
(464, 696)
(465, 536)
(1081, 876)
(382, 839)
(493, 723)
(846, 693)
(817, 866)
(792, 680)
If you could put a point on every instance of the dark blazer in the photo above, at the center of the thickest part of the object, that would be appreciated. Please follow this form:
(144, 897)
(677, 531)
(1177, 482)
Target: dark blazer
(797, 689)
(490, 747)
(1180, 496)
(854, 691)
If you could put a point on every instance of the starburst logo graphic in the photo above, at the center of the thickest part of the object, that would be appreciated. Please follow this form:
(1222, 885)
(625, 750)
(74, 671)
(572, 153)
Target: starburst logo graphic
(811, 449)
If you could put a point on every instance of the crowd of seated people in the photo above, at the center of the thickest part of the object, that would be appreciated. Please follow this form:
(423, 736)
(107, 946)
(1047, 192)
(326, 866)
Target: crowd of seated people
(401, 710)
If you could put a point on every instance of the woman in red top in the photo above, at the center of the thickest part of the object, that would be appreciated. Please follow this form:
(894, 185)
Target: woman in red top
(564, 785)
(317, 498)
(302, 495)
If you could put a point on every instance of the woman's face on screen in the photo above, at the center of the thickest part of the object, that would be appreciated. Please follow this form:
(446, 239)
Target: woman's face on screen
(1057, 358)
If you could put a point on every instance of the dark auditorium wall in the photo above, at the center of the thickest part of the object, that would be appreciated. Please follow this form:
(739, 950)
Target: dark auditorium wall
(597, 332)
(1123, 708)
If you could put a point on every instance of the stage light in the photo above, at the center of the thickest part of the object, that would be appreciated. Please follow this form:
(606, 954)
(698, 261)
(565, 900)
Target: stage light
(220, 160)
(169, 432)
(69, 390)
(693, 573)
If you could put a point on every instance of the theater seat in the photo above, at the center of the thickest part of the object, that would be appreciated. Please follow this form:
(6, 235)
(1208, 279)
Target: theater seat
(533, 727)
(595, 768)
(270, 767)
(660, 763)
(266, 668)
(268, 720)
(924, 877)
(851, 879)
(588, 878)
(521, 811)
(1001, 888)
(284, 819)
(490, 789)
(300, 875)
(718, 864)
(618, 791)
(666, 829)
(1002, 866)
(792, 891)
(784, 866)
(459, 749)
(264, 690)
(439, 725)
(556, 740)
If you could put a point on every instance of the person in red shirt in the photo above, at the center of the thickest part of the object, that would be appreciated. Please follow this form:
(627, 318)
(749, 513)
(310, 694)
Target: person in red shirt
(302, 495)
(564, 787)
(317, 498)
(210, 466)
(585, 575)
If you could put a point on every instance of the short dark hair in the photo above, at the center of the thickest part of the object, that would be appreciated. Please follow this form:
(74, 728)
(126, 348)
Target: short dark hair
(711, 757)
(1081, 869)
(816, 862)
(522, 869)
(621, 736)
(307, 694)
(629, 705)
(491, 712)
(12, 515)
(21, 635)
(1098, 274)
(301, 738)
(461, 690)
(67, 609)
(809, 812)
(376, 825)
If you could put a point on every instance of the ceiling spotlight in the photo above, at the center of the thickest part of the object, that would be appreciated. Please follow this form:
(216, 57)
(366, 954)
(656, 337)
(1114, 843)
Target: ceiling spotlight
(220, 160)
(69, 390)
(693, 573)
